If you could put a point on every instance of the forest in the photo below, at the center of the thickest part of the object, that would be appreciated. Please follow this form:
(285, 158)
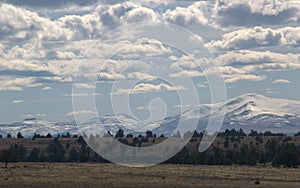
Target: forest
(231, 147)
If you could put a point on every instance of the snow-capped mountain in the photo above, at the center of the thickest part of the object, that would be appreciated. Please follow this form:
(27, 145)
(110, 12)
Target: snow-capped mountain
(32, 125)
(249, 111)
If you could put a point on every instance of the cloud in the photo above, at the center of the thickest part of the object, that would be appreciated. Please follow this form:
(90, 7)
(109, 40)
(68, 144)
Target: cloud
(255, 13)
(81, 94)
(17, 22)
(36, 50)
(193, 14)
(144, 47)
(34, 115)
(81, 112)
(126, 12)
(257, 37)
(189, 66)
(202, 85)
(17, 101)
(187, 73)
(84, 86)
(281, 81)
(16, 84)
(147, 87)
(244, 64)
(243, 77)
(46, 88)
(60, 55)
(184, 107)
(50, 4)
(141, 108)
(248, 60)
(236, 66)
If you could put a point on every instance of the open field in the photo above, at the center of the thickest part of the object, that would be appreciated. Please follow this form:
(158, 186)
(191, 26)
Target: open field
(75, 175)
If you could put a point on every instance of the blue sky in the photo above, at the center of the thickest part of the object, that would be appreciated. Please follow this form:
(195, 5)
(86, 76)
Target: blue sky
(255, 44)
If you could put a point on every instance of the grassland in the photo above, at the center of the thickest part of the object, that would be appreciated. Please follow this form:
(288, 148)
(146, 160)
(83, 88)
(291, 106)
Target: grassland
(65, 175)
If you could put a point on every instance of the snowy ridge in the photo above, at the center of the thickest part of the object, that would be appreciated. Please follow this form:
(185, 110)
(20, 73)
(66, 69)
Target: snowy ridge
(249, 111)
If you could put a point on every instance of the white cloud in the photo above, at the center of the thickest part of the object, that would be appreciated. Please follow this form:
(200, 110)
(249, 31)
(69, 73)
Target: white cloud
(35, 50)
(46, 88)
(147, 87)
(16, 84)
(254, 13)
(202, 85)
(17, 101)
(184, 107)
(126, 12)
(81, 112)
(244, 64)
(281, 81)
(81, 94)
(248, 60)
(84, 86)
(187, 73)
(141, 108)
(243, 77)
(257, 37)
(34, 115)
(192, 14)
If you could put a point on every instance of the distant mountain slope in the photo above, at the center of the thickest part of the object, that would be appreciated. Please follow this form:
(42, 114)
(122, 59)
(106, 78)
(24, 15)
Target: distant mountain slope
(249, 111)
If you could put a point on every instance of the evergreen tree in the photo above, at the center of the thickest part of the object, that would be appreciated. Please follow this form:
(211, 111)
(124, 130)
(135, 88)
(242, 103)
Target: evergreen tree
(34, 155)
(8, 156)
(19, 135)
(20, 150)
(120, 134)
(73, 156)
(55, 151)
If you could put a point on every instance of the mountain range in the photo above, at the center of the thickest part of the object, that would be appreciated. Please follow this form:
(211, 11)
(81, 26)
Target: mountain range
(248, 111)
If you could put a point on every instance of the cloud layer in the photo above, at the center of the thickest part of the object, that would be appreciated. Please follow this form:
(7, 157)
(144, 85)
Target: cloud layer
(36, 50)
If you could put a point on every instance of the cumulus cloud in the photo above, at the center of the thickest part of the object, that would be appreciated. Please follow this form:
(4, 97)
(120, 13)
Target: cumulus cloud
(189, 66)
(202, 85)
(84, 86)
(81, 94)
(237, 65)
(50, 4)
(126, 12)
(34, 115)
(255, 13)
(193, 14)
(148, 87)
(16, 84)
(144, 47)
(17, 101)
(281, 81)
(244, 64)
(255, 60)
(243, 77)
(81, 112)
(18, 22)
(46, 88)
(257, 37)
(37, 50)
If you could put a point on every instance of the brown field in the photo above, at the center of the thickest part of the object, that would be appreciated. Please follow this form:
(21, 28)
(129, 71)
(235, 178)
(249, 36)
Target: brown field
(64, 175)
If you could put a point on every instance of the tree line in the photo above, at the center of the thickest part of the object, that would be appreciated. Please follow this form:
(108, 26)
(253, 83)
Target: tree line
(229, 148)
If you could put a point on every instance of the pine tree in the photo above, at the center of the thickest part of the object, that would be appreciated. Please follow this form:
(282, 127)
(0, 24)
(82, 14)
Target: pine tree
(73, 156)
(55, 151)
(34, 155)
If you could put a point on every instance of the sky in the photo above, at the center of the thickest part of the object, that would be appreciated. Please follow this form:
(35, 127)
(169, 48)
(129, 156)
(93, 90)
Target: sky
(147, 58)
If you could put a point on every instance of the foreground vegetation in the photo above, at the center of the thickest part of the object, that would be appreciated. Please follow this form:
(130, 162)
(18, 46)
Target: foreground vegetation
(92, 175)
(230, 148)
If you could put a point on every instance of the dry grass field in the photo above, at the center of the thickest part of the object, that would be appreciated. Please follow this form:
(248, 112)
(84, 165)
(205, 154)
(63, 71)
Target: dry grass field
(73, 175)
